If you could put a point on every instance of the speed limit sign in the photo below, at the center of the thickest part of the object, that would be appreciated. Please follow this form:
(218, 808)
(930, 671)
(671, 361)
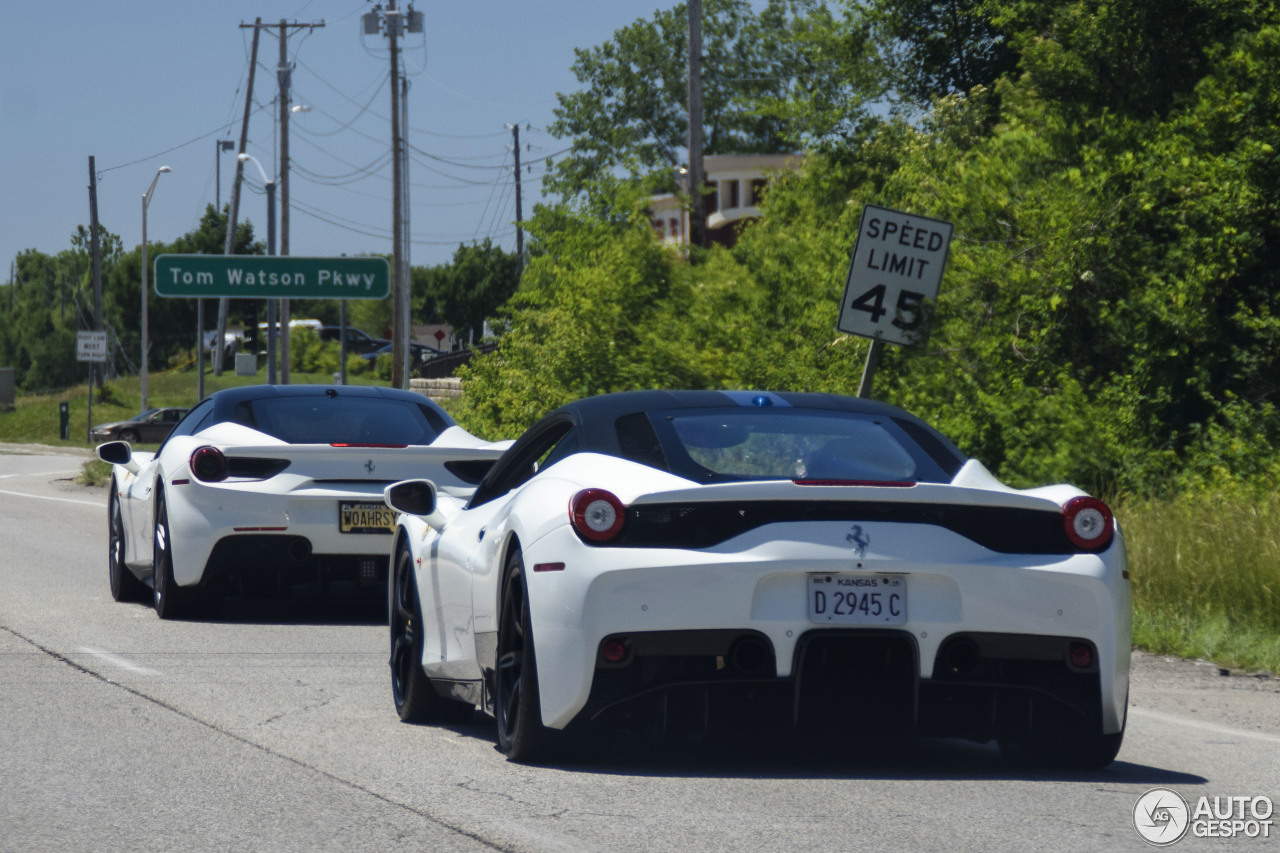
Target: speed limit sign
(894, 275)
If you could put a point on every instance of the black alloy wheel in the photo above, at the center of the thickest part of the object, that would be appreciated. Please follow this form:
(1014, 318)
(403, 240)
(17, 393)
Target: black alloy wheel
(167, 597)
(517, 704)
(129, 435)
(124, 586)
(415, 698)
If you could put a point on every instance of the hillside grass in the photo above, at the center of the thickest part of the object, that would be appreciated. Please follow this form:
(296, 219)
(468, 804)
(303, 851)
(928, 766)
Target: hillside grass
(1205, 573)
(1204, 569)
(34, 420)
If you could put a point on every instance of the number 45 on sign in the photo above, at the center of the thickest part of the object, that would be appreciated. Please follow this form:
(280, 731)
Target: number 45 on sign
(895, 270)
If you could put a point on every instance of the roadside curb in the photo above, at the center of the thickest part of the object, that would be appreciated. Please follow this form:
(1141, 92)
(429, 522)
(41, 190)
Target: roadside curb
(45, 450)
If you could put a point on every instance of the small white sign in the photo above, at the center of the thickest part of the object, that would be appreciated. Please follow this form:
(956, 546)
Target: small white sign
(91, 346)
(895, 271)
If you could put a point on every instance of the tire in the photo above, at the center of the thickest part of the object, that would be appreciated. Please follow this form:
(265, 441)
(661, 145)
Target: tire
(129, 435)
(415, 697)
(169, 600)
(124, 586)
(517, 703)
(1074, 750)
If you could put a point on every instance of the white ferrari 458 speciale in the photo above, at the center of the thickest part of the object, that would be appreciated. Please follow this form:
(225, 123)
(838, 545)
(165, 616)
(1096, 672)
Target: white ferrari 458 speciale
(700, 561)
(274, 485)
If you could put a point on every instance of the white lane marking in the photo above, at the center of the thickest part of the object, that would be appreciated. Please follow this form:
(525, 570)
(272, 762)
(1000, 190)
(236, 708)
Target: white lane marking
(1179, 720)
(48, 498)
(40, 474)
(116, 660)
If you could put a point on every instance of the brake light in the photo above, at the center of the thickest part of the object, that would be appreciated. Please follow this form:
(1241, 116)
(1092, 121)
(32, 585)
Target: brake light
(596, 515)
(1088, 522)
(888, 484)
(208, 464)
(381, 446)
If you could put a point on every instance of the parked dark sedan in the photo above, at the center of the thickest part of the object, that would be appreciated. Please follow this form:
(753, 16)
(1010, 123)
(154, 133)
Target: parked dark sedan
(358, 341)
(152, 426)
(417, 352)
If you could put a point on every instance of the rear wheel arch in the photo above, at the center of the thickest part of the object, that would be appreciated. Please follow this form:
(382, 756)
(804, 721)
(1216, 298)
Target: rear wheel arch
(399, 541)
(113, 503)
(511, 546)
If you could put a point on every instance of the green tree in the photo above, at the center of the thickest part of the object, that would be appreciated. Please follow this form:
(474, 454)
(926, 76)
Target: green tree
(631, 114)
(934, 48)
(1135, 57)
(1109, 310)
(471, 288)
(171, 321)
(51, 299)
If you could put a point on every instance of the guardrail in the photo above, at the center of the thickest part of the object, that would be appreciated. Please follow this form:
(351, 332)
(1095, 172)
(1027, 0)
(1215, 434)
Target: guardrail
(443, 366)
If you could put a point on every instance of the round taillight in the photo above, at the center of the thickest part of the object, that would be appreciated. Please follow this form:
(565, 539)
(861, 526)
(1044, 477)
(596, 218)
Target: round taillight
(1088, 523)
(597, 515)
(209, 465)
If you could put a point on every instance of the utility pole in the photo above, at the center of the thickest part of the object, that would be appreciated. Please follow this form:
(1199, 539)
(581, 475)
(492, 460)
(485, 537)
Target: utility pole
(284, 73)
(229, 248)
(406, 274)
(398, 343)
(697, 222)
(95, 275)
(515, 136)
(392, 23)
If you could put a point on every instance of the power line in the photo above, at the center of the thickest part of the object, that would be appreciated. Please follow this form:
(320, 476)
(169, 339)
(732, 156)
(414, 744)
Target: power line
(502, 133)
(218, 130)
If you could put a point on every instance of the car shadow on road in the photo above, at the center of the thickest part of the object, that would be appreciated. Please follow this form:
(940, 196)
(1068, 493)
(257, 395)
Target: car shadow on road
(938, 759)
(340, 604)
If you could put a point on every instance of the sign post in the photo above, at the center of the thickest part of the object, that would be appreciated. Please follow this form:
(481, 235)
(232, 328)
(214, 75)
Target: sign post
(90, 347)
(893, 281)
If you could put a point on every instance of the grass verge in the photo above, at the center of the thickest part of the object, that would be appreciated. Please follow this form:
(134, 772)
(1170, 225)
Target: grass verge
(1205, 575)
(35, 418)
(95, 472)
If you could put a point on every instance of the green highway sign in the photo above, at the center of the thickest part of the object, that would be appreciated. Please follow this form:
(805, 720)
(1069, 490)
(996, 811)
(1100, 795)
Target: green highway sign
(271, 277)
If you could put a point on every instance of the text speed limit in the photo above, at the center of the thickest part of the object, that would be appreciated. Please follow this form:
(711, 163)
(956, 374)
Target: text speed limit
(895, 270)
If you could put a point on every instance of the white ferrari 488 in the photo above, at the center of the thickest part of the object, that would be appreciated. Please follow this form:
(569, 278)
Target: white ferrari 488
(698, 561)
(275, 485)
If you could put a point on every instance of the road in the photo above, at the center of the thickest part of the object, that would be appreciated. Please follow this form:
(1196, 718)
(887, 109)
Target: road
(270, 727)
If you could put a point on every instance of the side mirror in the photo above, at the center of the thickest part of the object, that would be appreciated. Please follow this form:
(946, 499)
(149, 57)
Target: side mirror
(414, 497)
(118, 453)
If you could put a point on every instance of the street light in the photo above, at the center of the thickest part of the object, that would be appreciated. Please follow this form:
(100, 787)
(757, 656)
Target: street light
(146, 201)
(271, 250)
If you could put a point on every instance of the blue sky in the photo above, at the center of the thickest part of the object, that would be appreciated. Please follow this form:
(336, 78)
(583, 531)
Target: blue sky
(140, 85)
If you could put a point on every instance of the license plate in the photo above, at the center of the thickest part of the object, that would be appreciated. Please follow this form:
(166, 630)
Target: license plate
(857, 599)
(365, 518)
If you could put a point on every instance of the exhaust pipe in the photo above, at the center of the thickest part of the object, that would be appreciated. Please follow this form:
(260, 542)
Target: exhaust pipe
(750, 655)
(962, 656)
(300, 550)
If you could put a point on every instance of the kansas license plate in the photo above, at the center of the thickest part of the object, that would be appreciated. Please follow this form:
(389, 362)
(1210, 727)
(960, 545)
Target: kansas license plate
(365, 517)
(857, 599)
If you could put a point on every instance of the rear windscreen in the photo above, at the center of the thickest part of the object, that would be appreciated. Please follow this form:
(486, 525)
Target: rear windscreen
(792, 444)
(342, 420)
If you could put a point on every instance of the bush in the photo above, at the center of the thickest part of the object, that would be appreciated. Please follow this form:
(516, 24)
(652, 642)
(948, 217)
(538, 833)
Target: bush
(309, 354)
